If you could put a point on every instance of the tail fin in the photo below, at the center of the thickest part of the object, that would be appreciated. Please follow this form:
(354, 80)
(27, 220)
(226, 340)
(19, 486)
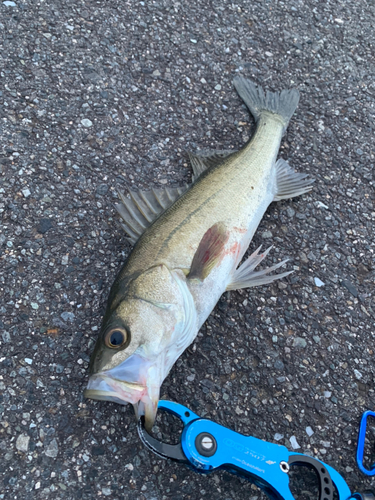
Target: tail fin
(282, 103)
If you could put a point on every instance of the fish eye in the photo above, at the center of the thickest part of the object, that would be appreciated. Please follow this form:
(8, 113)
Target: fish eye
(116, 338)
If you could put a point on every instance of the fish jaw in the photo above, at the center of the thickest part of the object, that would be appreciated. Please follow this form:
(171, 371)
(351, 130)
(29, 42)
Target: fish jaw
(136, 380)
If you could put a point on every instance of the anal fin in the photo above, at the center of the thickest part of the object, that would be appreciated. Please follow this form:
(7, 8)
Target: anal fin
(289, 182)
(209, 252)
(246, 277)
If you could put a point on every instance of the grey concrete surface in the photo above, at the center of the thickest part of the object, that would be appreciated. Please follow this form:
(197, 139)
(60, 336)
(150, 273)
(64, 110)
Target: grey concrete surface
(99, 95)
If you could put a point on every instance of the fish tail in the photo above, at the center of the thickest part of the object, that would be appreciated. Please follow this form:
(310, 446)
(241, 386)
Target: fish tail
(282, 103)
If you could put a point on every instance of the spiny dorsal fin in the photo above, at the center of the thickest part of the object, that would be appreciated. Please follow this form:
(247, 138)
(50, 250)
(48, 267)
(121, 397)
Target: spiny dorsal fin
(206, 159)
(140, 210)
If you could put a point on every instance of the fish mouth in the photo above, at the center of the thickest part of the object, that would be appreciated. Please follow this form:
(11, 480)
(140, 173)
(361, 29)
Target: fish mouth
(132, 381)
(106, 389)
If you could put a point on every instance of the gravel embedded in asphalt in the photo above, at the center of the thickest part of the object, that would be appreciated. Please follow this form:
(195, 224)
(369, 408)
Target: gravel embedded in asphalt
(96, 96)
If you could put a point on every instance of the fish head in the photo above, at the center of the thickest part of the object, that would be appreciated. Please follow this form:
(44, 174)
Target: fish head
(139, 341)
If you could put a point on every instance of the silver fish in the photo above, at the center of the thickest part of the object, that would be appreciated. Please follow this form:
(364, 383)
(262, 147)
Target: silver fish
(189, 243)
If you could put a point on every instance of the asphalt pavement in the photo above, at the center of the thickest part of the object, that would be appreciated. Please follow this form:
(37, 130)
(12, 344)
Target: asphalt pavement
(100, 95)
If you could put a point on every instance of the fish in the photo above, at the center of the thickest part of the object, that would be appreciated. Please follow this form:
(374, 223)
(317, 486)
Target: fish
(189, 243)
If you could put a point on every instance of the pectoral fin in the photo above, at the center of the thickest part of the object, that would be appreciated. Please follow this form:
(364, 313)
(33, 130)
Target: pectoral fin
(209, 252)
(246, 277)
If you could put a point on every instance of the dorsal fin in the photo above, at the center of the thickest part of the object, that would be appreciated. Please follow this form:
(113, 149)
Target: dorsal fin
(206, 159)
(140, 210)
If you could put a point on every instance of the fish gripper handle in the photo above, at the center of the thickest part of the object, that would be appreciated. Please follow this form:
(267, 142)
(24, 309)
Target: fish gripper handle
(206, 446)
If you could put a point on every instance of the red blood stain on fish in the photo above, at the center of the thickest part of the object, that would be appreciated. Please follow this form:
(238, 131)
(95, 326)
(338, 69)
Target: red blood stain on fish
(241, 230)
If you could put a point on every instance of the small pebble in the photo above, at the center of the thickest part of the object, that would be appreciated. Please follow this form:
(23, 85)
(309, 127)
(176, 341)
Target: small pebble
(218, 87)
(311, 256)
(8, 3)
(278, 436)
(26, 192)
(86, 122)
(52, 449)
(318, 282)
(309, 431)
(303, 257)
(299, 342)
(293, 442)
(67, 316)
(44, 225)
(279, 365)
(350, 287)
(357, 374)
(267, 234)
(28, 361)
(102, 189)
(22, 443)
(6, 337)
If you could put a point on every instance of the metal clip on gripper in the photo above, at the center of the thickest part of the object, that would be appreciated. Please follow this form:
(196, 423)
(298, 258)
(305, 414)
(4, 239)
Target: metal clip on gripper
(206, 446)
(361, 444)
